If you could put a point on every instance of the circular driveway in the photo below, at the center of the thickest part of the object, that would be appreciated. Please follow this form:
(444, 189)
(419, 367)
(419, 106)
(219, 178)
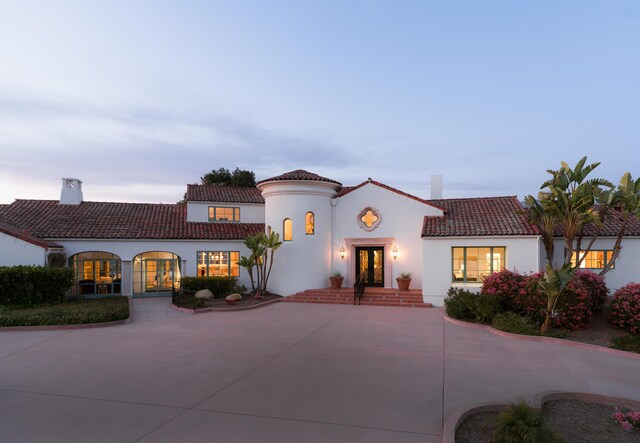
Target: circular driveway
(285, 372)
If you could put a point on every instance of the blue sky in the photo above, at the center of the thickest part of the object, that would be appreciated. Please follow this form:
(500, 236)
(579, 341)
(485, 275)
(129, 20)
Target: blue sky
(138, 98)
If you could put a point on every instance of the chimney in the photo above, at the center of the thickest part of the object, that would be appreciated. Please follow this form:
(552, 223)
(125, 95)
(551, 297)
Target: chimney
(71, 193)
(436, 186)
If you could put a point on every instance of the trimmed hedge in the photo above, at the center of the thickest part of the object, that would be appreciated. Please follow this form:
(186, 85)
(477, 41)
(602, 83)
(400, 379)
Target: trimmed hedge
(219, 286)
(34, 285)
(70, 312)
(516, 324)
(625, 308)
(466, 305)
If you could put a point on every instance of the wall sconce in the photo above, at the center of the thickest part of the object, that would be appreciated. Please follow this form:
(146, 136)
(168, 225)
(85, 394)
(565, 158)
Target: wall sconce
(394, 253)
(342, 253)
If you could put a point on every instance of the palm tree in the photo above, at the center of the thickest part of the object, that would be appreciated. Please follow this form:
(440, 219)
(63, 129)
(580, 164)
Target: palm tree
(545, 221)
(627, 201)
(248, 263)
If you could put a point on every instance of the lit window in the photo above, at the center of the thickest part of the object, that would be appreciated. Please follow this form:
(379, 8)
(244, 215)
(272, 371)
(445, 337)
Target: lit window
(475, 264)
(224, 214)
(594, 259)
(287, 228)
(218, 263)
(309, 224)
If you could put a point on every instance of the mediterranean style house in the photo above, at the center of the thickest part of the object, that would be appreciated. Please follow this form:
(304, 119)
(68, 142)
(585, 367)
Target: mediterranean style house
(139, 249)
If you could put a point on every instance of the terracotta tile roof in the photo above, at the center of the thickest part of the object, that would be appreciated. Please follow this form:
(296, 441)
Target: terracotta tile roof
(347, 189)
(25, 235)
(478, 217)
(49, 219)
(300, 174)
(223, 194)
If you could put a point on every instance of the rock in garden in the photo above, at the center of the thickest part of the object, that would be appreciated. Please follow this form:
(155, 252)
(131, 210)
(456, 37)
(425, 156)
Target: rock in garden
(204, 293)
(233, 297)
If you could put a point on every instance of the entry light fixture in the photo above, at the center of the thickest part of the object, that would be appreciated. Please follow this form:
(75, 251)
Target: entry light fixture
(394, 253)
(342, 253)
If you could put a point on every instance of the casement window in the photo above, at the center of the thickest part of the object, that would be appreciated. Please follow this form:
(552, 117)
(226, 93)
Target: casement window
(218, 263)
(287, 229)
(474, 264)
(309, 223)
(594, 259)
(224, 214)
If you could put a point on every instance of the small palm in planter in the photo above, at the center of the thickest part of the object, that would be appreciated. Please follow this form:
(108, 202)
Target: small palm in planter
(336, 280)
(404, 280)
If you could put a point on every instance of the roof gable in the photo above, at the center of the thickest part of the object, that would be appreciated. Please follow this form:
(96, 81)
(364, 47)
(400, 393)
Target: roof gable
(349, 189)
(26, 236)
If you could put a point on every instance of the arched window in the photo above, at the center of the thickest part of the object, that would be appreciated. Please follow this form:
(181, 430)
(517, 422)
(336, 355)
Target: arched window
(287, 229)
(96, 273)
(309, 223)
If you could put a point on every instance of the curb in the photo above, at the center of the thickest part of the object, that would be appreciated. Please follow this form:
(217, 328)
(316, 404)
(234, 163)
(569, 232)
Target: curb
(71, 327)
(459, 415)
(570, 343)
(239, 308)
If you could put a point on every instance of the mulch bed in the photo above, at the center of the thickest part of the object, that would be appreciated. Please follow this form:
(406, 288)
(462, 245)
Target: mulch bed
(599, 332)
(575, 421)
(247, 300)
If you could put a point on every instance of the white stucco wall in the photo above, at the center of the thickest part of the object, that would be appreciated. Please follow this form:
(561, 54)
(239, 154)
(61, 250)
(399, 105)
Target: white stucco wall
(401, 224)
(627, 266)
(14, 251)
(304, 262)
(249, 213)
(522, 255)
(127, 249)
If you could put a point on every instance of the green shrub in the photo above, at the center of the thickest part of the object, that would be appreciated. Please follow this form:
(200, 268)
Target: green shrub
(189, 302)
(523, 423)
(70, 312)
(465, 305)
(515, 323)
(219, 286)
(629, 343)
(625, 308)
(34, 285)
(459, 304)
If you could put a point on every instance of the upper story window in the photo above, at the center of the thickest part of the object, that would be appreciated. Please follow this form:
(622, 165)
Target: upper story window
(287, 229)
(224, 214)
(475, 264)
(594, 259)
(309, 223)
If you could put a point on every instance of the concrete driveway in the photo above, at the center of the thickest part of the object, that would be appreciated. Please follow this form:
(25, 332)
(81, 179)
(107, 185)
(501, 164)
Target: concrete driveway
(286, 372)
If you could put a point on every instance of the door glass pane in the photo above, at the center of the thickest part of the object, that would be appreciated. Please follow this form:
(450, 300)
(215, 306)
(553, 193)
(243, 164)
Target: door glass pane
(377, 267)
(364, 264)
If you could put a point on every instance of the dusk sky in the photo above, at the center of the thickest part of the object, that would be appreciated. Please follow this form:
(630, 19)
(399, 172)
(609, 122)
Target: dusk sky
(138, 98)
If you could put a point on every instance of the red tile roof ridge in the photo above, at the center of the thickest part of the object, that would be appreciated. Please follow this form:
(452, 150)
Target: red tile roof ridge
(388, 188)
(299, 175)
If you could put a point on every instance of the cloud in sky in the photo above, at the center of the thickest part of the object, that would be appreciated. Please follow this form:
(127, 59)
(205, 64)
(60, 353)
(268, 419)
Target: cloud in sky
(138, 98)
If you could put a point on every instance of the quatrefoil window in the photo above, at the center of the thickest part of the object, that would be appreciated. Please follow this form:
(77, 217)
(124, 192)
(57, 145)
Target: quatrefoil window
(369, 218)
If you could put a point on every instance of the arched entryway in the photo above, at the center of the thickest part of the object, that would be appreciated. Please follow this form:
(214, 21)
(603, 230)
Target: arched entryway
(96, 273)
(155, 273)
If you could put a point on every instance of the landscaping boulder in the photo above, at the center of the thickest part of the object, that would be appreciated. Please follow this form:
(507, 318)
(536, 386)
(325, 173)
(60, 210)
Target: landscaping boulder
(204, 293)
(232, 298)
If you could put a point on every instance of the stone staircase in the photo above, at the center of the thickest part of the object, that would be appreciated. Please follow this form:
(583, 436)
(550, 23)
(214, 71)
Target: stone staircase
(372, 297)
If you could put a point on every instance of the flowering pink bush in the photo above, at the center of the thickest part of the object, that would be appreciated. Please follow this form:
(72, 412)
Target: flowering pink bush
(522, 294)
(573, 309)
(625, 308)
(513, 290)
(629, 420)
(598, 291)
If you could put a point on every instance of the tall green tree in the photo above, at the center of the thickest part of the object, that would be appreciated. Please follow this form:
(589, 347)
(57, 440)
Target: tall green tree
(223, 177)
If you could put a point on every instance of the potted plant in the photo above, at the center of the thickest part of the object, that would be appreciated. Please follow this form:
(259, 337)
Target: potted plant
(404, 280)
(336, 280)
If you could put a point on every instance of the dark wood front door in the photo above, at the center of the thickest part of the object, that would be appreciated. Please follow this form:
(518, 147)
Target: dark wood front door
(370, 261)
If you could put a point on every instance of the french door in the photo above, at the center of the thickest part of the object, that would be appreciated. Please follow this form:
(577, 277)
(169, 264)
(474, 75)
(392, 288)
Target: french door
(370, 263)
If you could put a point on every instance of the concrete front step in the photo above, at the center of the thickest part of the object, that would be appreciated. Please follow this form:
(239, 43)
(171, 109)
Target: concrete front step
(372, 297)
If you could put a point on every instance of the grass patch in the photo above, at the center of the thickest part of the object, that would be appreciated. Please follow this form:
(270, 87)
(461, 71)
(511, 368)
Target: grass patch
(70, 312)
(630, 343)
